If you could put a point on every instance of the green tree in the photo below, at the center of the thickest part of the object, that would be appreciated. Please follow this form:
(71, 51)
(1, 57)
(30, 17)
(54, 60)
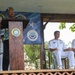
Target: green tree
(48, 55)
(46, 45)
(63, 25)
(33, 52)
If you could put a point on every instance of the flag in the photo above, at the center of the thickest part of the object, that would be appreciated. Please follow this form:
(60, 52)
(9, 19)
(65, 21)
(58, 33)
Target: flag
(32, 33)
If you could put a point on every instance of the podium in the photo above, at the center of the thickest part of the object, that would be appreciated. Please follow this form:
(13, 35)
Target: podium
(16, 52)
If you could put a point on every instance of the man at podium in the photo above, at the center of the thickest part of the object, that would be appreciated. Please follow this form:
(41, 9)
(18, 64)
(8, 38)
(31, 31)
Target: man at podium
(10, 13)
(21, 23)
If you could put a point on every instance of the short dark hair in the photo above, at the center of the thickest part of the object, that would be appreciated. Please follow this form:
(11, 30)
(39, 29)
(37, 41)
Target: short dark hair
(56, 32)
(9, 9)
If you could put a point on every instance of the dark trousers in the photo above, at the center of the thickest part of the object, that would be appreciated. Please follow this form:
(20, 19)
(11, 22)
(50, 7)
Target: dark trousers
(6, 55)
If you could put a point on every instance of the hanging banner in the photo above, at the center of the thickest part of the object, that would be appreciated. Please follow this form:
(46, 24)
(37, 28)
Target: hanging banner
(32, 33)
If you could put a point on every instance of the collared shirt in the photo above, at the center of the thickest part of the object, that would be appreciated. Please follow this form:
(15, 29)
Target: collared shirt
(57, 44)
(1, 47)
(6, 34)
(73, 43)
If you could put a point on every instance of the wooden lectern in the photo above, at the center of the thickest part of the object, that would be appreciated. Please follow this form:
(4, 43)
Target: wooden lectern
(16, 53)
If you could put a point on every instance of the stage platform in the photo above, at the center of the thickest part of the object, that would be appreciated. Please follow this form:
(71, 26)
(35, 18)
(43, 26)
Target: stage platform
(39, 72)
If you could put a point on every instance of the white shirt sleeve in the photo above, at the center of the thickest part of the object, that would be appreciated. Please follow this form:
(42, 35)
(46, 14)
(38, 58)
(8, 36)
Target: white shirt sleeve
(73, 43)
(64, 46)
(50, 44)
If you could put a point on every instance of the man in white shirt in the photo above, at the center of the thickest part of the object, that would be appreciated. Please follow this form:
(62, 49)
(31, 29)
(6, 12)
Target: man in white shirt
(59, 50)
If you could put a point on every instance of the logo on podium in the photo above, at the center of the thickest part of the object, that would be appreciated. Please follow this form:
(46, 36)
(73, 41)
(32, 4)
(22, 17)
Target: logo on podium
(16, 32)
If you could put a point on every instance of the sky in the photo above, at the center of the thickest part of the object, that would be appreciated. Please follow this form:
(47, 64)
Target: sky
(66, 35)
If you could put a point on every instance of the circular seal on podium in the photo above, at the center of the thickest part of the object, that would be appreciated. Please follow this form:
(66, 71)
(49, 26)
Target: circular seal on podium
(16, 32)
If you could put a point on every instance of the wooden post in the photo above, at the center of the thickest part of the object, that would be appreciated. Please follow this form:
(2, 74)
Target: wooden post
(42, 51)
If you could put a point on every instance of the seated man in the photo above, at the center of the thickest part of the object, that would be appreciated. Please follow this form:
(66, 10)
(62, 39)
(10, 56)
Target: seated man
(59, 50)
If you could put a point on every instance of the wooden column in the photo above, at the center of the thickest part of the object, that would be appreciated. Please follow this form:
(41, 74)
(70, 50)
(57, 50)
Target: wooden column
(16, 45)
(42, 50)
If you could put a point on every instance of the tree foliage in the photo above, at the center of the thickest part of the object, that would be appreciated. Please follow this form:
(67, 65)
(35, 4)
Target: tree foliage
(33, 52)
(46, 45)
(72, 28)
(63, 25)
(48, 55)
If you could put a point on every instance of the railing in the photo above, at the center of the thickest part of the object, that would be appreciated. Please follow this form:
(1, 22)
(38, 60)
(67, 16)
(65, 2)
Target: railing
(39, 72)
